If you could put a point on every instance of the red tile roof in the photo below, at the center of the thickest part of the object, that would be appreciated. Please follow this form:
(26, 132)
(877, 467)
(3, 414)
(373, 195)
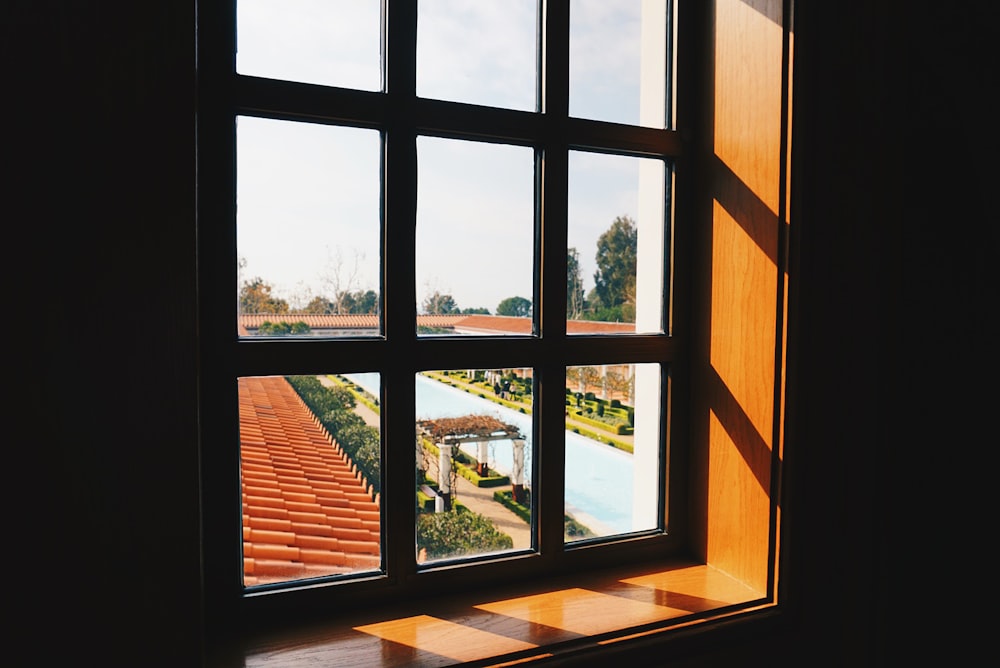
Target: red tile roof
(307, 510)
(315, 321)
(473, 323)
(488, 324)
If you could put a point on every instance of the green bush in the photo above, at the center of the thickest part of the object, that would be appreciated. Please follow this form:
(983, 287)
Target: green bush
(268, 328)
(456, 533)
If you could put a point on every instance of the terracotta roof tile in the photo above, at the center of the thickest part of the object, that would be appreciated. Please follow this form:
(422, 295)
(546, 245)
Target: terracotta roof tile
(465, 323)
(307, 511)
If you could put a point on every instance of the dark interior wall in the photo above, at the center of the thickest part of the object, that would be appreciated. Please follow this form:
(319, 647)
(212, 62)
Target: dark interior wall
(100, 102)
(100, 108)
(887, 352)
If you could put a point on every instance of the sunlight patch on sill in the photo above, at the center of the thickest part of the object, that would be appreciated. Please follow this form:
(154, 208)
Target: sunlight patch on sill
(592, 610)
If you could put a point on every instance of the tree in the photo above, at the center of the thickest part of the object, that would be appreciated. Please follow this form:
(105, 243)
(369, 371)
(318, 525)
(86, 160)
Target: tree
(256, 297)
(476, 310)
(341, 282)
(574, 285)
(319, 306)
(585, 376)
(614, 280)
(439, 304)
(518, 307)
(621, 384)
(360, 302)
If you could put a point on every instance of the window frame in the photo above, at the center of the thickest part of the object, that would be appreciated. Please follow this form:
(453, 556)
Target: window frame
(401, 116)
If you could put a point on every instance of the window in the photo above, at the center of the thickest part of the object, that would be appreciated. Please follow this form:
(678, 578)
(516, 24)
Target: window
(513, 158)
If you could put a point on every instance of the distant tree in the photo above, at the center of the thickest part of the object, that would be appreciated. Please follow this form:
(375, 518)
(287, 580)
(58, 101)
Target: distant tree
(478, 310)
(319, 306)
(574, 285)
(519, 307)
(256, 297)
(341, 279)
(439, 304)
(619, 383)
(614, 280)
(359, 302)
(584, 376)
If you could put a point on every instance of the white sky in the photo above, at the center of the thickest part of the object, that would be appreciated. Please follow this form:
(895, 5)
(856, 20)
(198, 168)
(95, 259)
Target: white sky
(308, 195)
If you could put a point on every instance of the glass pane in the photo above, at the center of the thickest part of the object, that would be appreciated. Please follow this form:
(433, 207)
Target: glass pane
(612, 449)
(475, 238)
(307, 229)
(326, 42)
(473, 456)
(615, 284)
(482, 52)
(618, 61)
(310, 471)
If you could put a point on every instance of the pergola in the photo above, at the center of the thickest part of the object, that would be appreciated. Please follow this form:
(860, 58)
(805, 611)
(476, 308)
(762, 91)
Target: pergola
(448, 433)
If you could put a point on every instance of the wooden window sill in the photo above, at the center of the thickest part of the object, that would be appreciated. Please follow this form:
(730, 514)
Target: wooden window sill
(521, 626)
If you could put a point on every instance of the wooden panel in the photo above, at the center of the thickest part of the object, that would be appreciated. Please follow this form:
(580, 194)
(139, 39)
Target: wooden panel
(747, 100)
(737, 326)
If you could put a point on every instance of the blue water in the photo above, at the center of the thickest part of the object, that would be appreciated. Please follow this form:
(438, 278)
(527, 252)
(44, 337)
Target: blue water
(598, 477)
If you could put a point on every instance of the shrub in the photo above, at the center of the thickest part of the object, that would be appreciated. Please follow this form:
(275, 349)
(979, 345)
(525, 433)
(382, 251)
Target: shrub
(282, 328)
(333, 406)
(361, 442)
(456, 533)
(615, 403)
(600, 409)
(338, 420)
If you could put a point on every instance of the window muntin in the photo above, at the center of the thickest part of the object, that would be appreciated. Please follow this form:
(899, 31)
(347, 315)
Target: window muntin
(307, 228)
(401, 118)
(325, 42)
(482, 52)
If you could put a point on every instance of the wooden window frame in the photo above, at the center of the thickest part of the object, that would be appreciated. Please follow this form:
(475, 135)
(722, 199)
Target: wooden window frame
(236, 614)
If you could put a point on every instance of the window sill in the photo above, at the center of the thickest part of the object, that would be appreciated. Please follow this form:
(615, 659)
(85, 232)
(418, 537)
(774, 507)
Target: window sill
(555, 619)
